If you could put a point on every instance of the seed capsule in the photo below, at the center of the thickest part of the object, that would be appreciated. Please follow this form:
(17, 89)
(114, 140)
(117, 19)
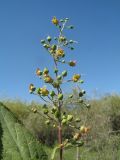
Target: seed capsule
(64, 121)
(49, 38)
(45, 111)
(52, 93)
(59, 77)
(70, 117)
(55, 84)
(47, 122)
(45, 71)
(64, 73)
(46, 46)
(44, 91)
(72, 63)
(60, 96)
(31, 88)
(53, 47)
(42, 41)
(76, 77)
(71, 41)
(48, 79)
(38, 72)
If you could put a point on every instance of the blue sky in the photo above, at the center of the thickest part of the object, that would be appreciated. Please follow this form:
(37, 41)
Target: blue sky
(24, 22)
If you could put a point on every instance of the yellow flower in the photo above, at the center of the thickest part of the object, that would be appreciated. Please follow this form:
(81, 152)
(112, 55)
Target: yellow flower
(55, 21)
(76, 77)
(48, 79)
(31, 88)
(38, 72)
(44, 91)
(59, 52)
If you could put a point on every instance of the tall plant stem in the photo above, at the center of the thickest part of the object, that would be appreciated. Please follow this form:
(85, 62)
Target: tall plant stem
(60, 130)
(78, 154)
(60, 141)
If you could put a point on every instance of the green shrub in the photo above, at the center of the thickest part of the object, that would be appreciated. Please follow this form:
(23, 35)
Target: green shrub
(18, 143)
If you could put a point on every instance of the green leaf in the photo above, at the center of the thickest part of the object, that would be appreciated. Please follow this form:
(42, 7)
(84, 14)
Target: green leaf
(53, 152)
(18, 143)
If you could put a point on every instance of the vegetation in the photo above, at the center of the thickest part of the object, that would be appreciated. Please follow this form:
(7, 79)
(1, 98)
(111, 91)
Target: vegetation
(16, 142)
(103, 142)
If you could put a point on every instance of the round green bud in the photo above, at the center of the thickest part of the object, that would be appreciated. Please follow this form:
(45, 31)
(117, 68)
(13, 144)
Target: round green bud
(52, 93)
(81, 81)
(64, 73)
(71, 41)
(63, 117)
(49, 38)
(64, 121)
(45, 111)
(71, 96)
(45, 71)
(60, 96)
(55, 70)
(54, 125)
(77, 120)
(46, 46)
(42, 41)
(63, 61)
(38, 91)
(54, 47)
(56, 84)
(59, 77)
(47, 122)
(70, 117)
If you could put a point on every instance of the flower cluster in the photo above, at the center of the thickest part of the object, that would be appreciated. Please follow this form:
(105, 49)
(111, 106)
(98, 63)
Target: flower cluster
(55, 115)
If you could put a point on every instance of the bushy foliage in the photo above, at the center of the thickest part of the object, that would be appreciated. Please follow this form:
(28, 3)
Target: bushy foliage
(17, 142)
(102, 142)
